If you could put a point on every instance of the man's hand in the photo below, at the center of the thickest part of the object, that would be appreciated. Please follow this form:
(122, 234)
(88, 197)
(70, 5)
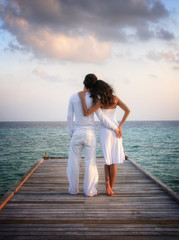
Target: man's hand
(81, 94)
(118, 132)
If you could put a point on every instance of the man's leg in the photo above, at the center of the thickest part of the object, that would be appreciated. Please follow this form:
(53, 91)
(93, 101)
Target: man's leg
(91, 171)
(74, 163)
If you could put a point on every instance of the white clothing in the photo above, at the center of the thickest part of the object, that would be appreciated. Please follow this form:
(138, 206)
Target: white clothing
(87, 139)
(83, 136)
(75, 108)
(111, 145)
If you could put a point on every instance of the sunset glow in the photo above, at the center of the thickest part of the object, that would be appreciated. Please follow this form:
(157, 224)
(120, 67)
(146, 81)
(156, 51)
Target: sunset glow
(47, 49)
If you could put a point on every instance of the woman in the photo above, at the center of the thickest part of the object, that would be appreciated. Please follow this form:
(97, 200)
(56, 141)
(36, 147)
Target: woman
(103, 97)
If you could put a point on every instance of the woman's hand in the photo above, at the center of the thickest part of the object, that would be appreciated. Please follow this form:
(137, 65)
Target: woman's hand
(118, 132)
(81, 94)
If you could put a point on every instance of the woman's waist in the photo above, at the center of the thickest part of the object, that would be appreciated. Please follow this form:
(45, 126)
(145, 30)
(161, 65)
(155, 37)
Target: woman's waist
(102, 125)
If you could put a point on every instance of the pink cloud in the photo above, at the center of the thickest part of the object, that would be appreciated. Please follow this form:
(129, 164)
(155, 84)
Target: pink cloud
(44, 75)
(47, 44)
(168, 56)
(81, 31)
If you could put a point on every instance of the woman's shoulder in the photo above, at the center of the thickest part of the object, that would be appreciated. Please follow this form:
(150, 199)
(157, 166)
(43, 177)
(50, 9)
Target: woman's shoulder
(116, 99)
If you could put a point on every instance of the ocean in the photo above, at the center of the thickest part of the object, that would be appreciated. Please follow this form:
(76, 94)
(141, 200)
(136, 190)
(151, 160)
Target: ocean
(152, 144)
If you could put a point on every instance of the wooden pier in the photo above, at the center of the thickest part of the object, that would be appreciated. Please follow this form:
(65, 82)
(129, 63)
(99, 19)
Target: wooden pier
(40, 208)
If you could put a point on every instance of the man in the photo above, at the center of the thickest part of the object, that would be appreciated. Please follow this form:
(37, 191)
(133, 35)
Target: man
(83, 135)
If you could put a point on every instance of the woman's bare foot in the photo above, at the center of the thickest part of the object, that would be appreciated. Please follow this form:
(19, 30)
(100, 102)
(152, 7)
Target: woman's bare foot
(112, 193)
(108, 189)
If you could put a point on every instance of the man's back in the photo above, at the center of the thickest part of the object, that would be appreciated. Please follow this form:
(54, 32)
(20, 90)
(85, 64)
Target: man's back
(75, 109)
(83, 136)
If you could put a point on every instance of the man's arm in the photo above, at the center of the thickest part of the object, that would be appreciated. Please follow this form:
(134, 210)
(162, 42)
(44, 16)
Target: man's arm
(107, 122)
(70, 118)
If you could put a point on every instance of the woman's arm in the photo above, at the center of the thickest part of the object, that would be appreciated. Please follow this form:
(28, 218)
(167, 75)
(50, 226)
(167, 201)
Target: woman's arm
(92, 109)
(126, 114)
(107, 122)
(126, 110)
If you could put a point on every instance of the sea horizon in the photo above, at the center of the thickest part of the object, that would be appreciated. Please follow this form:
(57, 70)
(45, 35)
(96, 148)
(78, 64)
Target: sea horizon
(152, 144)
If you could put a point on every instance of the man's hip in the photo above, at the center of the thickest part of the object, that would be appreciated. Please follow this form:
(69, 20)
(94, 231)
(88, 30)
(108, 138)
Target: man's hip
(84, 136)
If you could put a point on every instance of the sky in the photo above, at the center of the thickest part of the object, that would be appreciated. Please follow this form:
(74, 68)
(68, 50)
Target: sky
(48, 46)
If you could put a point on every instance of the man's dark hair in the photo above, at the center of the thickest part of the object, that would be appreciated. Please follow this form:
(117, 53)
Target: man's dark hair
(90, 80)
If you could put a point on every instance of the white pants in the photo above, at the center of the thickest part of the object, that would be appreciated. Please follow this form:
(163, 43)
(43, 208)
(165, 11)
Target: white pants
(83, 138)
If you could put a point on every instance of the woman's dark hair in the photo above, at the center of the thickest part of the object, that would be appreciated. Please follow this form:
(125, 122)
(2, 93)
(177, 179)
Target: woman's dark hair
(103, 91)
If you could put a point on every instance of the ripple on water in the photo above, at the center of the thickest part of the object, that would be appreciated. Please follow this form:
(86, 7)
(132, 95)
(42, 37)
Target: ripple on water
(154, 145)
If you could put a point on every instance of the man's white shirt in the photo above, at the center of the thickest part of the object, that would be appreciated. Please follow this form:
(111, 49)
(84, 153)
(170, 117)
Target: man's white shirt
(81, 121)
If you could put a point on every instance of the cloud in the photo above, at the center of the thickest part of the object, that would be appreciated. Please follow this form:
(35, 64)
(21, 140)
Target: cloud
(44, 75)
(153, 76)
(176, 68)
(48, 44)
(67, 29)
(14, 47)
(153, 55)
(168, 56)
(164, 34)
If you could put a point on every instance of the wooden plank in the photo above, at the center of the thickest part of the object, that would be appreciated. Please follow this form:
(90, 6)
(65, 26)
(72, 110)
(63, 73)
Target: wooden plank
(90, 227)
(18, 185)
(88, 231)
(68, 205)
(86, 237)
(157, 181)
(43, 209)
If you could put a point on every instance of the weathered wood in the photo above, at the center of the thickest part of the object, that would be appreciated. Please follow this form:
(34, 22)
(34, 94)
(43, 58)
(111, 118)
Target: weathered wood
(41, 207)
(18, 185)
(88, 237)
(157, 181)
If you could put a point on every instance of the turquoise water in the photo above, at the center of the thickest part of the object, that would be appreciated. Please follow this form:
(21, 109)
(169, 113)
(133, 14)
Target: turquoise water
(154, 145)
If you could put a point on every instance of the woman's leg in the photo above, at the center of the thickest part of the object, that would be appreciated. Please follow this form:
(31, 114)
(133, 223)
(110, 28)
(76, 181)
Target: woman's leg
(112, 175)
(107, 179)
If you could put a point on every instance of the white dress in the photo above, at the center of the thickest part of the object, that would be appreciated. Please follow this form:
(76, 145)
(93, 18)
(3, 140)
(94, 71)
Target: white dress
(111, 145)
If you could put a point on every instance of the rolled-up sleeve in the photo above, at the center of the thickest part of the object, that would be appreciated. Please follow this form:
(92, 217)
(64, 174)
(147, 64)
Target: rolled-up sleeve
(108, 123)
(70, 118)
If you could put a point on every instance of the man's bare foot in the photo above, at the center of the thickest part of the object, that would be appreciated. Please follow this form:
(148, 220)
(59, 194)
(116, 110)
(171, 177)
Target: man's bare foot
(94, 195)
(108, 189)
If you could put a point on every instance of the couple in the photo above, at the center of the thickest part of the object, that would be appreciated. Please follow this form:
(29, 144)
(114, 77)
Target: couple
(97, 96)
